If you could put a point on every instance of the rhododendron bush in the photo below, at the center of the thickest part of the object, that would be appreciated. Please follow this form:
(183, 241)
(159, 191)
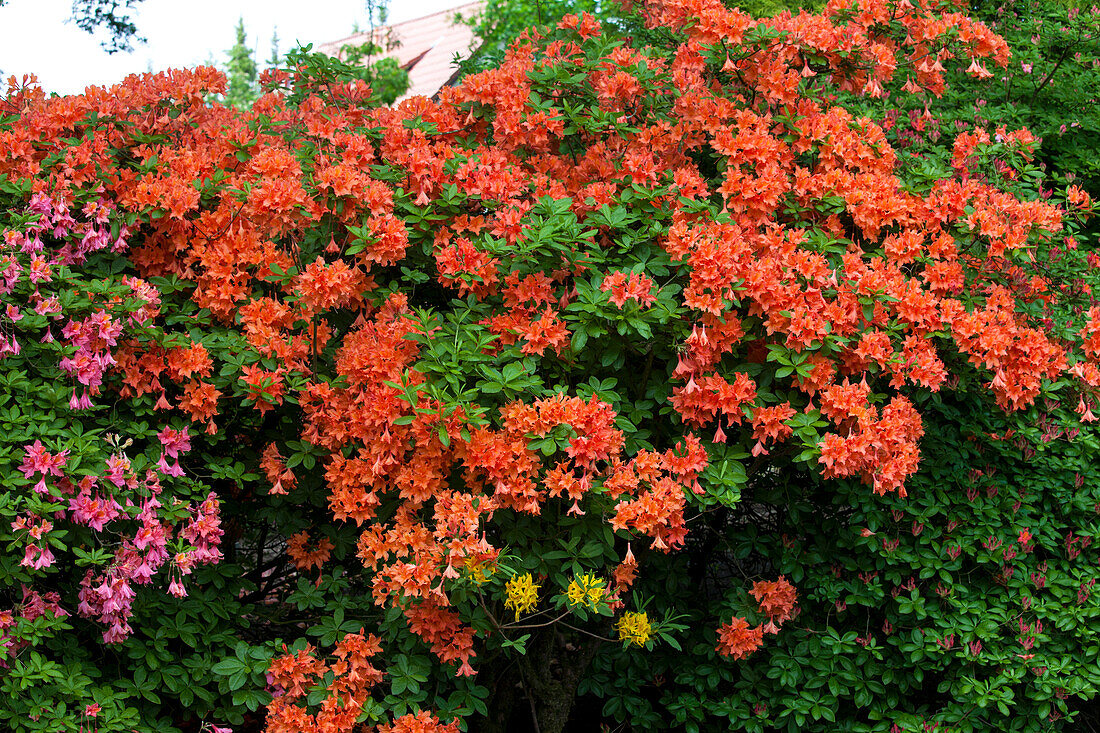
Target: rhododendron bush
(612, 376)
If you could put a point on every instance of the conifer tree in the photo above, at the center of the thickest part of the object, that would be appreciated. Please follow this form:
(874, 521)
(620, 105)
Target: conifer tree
(276, 57)
(242, 72)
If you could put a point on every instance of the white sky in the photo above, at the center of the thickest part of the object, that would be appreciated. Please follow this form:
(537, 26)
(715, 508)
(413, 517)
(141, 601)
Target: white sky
(35, 37)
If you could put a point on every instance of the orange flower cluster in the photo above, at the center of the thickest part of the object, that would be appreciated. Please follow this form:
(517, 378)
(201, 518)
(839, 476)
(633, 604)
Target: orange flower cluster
(738, 639)
(353, 677)
(530, 315)
(848, 38)
(776, 598)
(305, 558)
(282, 478)
(1091, 334)
(422, 722)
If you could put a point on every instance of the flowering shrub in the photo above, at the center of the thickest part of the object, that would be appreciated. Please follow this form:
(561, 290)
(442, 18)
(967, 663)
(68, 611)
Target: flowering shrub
(323, 413)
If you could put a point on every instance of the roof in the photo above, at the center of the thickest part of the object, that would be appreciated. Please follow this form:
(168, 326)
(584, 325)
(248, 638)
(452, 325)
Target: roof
(427, 46)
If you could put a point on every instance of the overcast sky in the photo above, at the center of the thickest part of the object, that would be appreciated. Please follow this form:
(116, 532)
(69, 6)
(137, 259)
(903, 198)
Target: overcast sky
(35, 37)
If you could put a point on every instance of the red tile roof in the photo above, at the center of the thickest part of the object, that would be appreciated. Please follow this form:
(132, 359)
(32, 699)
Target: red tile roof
(429, 44)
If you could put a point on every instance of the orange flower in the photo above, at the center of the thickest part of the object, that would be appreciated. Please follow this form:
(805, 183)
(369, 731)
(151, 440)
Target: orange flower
(624, 286)
(626, 571)
(265, 388)
(738, 640)
(200, 399)
(776, 598)
(422, 722)
(281, 477)
(304, 558)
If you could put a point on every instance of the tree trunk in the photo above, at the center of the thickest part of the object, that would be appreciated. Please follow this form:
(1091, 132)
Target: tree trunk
(535, 692)
(552, 669)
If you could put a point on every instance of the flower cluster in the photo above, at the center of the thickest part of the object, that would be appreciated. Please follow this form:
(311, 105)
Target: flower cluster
(634, 628)
(523, 594)
(348, 681)
(586, 590)
(776, 599)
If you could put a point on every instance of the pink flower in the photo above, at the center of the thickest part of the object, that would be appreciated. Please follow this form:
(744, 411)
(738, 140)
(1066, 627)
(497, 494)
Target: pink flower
(95, 512)
(204, 532)
(175, 441)
(48, 305)
(39, 271)
(152, 533)
(117, 632)
(185, 561)
(118, 466)
(36, 557)
(9, 347)
(37, 459)
(40, 529)
(82, 402)
(40, 203)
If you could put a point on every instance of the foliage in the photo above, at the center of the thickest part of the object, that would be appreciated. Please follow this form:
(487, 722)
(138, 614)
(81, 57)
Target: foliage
(117, 508)
(645, 374)
(112, 16)
(498, 23)
(954, 608)
(961, 608)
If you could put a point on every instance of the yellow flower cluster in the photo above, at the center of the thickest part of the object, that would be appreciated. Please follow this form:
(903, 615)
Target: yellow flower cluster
(634, 627)
(586, 590)
(479, 572)
(522, 592)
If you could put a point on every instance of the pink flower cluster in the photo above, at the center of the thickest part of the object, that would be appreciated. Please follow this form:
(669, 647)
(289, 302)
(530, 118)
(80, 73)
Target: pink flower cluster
(174, 442)
(93, 338)
(149, 296)
(9, 273)
(95, 512)
(37, 460)
(204, 531)
(81, 238)
(37, 554)
(107, 595)
(23, 253)
(109, 601)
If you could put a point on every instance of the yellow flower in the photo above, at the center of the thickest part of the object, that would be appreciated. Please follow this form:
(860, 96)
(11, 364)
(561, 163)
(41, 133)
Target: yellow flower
(634, 627)
(479, 571)
(587, 590)
(523, 594)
